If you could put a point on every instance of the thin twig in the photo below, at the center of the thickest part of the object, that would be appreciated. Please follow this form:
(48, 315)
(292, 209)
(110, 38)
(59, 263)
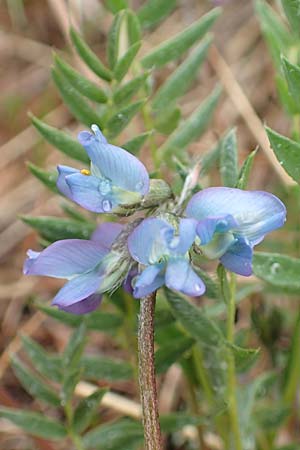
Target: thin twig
(148, 392)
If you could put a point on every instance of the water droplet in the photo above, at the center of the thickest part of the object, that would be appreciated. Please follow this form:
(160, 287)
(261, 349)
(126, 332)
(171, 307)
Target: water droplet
(174, 242)
(197, 287)
(106, 205)
(139, 185)
(275, 267)
(104, 187)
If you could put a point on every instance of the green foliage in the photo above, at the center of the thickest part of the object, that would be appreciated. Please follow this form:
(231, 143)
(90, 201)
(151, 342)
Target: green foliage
(292, 12)
(121, 119)
(125, 433)
(47, 178)
(102, 367)
(125, 92)
(123, 64)
(86, 410)
(154, 11)
(229, 160)
(245, 171)
(171, 352)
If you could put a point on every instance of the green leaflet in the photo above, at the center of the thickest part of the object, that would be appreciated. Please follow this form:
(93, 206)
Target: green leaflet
(292, 12)
(229, 160)
(180, 80)
(279, 270)
(287, 152)
(113, 39)
(56, 228)
(47, 178)
(134, 31)
(115, 5)
(61, 140)
(79, 82)
(174, 47)
(81, 110)
(193, 127)
(35, 423)
(118, 122)
(123, 64)
(89, 57)
(244, 174)
(34, 384)
(170, 353)
(125, 92)
(176, 421)
(154, 11)
(135, 144)
(86, 410)
(292, 75)
(74, 349)
(102, 367)
(167, 119)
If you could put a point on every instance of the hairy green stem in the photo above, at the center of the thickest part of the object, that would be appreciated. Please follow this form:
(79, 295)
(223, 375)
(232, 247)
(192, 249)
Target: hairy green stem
(147, 382)
(72, 435)
(231, 378)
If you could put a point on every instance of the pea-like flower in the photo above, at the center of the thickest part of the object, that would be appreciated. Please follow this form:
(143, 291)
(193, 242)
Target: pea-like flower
(80, 262)
(163, 251)
(115, 178)
(232, 221)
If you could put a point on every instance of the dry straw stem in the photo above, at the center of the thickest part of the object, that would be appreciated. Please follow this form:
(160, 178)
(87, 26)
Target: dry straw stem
(246, 110)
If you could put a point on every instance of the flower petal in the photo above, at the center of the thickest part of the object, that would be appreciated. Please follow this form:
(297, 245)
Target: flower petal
(218, 245)
(181, 277)
(148, 241)
(238, 258)
(85, 306)
(256, 212)
(64, 259)
(115, 163)
(187, 233)
(85, 190)
(61, 184)
(106, 233)
(78, 289)
(149, 280)
(207, 227)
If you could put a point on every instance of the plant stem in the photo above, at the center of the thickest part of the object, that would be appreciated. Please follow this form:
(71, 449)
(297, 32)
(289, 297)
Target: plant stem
(231, 379)
(147, 382)
(73, 436)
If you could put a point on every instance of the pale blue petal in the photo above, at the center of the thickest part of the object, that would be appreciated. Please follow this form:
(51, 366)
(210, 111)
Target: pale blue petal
(256, 212)
(149, 280)
(206, 228)
(187, 233)
(115, 163)
(85, 190)
(218, 245)
(85, 306)
(181, 277)
(64, 259)
(148, 241)
(78, 289)
(106, 233)
(61, 184)
(238, 258)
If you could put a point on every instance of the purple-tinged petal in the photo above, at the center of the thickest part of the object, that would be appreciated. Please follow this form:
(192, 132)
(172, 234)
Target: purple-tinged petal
(106, 233)
(238, 258)
(78, 289)
(114, 163)
(256, 212)
(148, 241)
(61, 184)
(127, 285)
(85, 306)
(149, 280)
(187, 233)
(181, 277)
(64, 259)
(85, 190)
(207, 227)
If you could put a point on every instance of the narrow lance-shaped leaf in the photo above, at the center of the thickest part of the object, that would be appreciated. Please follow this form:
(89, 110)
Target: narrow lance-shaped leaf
(174, 47)
(89, 57)
(135, 144)
(35, 423)
(245, 171)
(113, 39)
(175, 421)
(229, 160)
(169, 353)
(133, 27)
(81, 110)
(101, 367)
(292, 75)
(194, 321)
(124, 93)
(285, 96)
(192, 128)
(47, 364)
(33, 384)
(179, 82)
(74, 349)
(123, 64)
(61, 140)
(292, 12)
(167, 119)
(121, 434)
(287, 152)
(115, 5)
(118, 122)
(56, 228)
(79, 82)
(281, 271)
(47, 178)
(154, 11)
(70, 381)
(86, 410)
(292, 372)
